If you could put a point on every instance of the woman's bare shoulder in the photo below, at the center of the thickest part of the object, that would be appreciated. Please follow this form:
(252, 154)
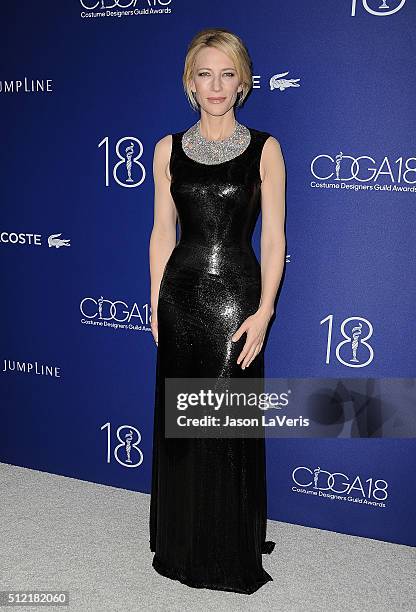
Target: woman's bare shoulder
(271, 156)
(164, 145)
(272, 144)
(162, 153)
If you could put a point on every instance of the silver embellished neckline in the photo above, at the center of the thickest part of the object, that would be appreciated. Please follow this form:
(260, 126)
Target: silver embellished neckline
(212, 152)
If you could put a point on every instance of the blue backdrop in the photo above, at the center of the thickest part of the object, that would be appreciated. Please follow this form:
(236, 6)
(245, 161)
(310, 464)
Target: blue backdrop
(87, 88)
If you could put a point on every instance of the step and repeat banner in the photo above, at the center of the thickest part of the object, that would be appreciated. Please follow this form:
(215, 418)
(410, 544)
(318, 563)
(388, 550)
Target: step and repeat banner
(87, 88)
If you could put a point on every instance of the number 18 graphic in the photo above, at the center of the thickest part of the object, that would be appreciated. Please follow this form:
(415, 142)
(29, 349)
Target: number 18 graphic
(127, 451)
(356, 351)
(128, 166)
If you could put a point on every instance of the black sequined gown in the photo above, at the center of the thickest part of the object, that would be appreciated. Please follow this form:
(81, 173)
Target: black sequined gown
(208, 499)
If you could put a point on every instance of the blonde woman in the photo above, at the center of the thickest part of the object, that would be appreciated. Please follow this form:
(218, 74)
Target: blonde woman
(211, 306)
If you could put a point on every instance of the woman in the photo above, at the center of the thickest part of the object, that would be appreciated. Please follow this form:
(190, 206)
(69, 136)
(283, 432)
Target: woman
(212, 303)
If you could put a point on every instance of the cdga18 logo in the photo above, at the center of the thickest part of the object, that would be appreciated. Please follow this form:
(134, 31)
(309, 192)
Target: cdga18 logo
(92, 5)
(337, 482)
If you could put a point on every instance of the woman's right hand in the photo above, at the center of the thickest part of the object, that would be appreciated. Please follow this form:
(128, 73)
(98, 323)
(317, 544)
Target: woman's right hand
(154, 326)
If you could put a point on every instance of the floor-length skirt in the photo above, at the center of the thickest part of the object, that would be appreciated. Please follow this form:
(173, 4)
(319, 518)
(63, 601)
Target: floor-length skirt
(208, 510)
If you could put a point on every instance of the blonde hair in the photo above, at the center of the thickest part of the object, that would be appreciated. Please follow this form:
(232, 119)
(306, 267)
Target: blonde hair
(228, 43)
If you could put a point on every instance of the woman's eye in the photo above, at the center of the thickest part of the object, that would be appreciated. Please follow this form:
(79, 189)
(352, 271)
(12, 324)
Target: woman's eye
(231, 74)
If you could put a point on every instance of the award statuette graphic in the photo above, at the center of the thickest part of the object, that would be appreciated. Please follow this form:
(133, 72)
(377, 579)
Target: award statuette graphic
(338, 164)
(315, 477)
(356, 333)
(129, 438)
(100, 306)
(129, 155)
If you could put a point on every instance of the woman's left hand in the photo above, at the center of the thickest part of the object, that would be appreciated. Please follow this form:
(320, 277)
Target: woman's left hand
(256, 326)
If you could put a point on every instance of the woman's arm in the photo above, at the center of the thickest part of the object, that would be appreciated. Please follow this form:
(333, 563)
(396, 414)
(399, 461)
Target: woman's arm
(273, 241)
(273, 247)
(163, 236)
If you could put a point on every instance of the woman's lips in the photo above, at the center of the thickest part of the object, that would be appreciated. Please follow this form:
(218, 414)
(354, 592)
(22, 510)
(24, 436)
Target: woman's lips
(216, 100)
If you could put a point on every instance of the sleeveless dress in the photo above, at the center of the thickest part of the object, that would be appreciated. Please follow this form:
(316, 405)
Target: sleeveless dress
(208, 506)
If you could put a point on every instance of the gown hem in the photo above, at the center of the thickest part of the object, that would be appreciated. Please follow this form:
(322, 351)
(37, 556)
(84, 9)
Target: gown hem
(176, 574)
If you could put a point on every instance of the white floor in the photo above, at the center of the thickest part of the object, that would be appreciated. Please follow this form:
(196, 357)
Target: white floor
(92, 540)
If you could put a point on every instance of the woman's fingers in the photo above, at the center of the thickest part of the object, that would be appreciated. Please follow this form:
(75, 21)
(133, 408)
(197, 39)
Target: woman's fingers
(254, 340)
(256, 352)
(248, 351)
(240, 331)
(251, 353)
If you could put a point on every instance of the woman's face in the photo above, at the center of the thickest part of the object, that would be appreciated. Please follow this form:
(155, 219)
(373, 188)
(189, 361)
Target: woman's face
(215, 81)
